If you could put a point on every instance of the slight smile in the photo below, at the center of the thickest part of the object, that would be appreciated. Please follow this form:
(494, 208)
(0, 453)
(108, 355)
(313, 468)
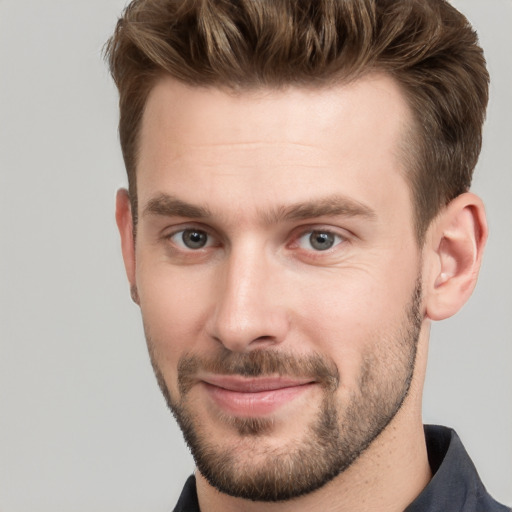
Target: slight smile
(249, 397)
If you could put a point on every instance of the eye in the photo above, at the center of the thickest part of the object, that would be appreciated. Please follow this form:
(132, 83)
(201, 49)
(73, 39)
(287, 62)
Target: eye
(319, 240)
(191, 239)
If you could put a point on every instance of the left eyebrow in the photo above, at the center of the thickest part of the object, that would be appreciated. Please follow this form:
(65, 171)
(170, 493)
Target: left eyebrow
(331, 206)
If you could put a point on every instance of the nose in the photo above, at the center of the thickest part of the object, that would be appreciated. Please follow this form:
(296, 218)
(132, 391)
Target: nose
(249, 312)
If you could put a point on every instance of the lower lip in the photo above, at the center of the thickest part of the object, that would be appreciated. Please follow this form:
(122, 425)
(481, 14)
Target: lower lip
(252, 404)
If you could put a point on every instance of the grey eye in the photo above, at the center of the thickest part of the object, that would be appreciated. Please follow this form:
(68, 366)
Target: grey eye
(193, 238)
(321, 241)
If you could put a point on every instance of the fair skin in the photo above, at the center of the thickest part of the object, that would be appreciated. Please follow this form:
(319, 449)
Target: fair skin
(247, 178)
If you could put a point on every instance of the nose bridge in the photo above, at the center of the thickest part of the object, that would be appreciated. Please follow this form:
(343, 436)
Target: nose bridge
(248, 312)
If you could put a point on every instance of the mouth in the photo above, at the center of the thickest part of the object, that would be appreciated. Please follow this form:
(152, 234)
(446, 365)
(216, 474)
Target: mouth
(252, 397)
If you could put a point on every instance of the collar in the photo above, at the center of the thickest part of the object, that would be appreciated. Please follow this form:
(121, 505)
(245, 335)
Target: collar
(455, 486)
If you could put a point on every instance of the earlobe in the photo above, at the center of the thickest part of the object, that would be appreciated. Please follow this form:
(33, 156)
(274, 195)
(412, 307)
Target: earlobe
(454, 251)
(125, 225)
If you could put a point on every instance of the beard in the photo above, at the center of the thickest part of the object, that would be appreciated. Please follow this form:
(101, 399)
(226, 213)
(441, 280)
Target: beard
(336, 437)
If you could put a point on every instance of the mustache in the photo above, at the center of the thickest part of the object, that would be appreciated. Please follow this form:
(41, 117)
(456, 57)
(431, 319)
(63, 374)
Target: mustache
(258, 363)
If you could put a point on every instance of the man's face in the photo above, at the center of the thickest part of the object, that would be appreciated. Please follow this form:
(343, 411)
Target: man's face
(278, 276)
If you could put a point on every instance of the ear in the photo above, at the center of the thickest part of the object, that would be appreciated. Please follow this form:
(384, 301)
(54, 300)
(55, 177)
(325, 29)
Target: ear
(453, 255)
(124, 222)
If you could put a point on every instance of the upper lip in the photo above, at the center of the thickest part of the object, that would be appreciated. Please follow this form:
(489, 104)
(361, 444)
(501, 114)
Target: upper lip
(254, 384)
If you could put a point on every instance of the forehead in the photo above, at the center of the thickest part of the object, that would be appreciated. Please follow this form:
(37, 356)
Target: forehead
(200, 110)
(298, 140)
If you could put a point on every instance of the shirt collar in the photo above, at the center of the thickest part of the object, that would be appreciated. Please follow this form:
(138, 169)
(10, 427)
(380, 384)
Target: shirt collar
(455, 485)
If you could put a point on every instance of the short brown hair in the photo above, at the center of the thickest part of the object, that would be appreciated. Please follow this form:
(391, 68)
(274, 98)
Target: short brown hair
(427, 46)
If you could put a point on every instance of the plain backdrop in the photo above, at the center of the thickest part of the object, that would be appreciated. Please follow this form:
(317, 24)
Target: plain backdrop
(82, 424)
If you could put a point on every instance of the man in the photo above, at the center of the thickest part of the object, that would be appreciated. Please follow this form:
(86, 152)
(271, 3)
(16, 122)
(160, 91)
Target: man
(298, 213)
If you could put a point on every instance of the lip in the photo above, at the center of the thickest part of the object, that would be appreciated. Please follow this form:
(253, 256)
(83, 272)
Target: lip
(250, 397)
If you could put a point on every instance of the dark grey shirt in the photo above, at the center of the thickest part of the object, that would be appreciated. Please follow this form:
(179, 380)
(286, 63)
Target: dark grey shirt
(455, 486)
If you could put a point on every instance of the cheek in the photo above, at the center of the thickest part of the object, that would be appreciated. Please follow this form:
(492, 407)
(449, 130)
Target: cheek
(173, 308)
(349, 316)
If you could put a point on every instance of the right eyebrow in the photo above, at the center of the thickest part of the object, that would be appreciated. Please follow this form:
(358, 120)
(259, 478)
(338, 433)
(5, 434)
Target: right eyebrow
(170, 206)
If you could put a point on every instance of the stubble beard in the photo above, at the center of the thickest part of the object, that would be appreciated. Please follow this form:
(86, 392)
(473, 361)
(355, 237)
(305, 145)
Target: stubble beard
(333, 440)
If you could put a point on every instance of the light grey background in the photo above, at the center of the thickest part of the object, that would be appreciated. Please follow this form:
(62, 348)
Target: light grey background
(82, 424)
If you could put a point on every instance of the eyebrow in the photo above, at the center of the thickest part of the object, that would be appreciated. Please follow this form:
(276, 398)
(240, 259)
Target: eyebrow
(329, 206)
(170, 206)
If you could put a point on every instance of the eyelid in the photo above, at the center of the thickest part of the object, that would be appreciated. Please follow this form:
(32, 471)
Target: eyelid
(179, 241)
(216, 240)
(169, 233)
(322, 228)
(342, 234)
(336, 239)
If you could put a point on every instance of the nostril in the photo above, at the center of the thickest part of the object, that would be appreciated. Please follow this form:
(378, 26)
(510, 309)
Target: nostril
(260, 339)
(241, 343)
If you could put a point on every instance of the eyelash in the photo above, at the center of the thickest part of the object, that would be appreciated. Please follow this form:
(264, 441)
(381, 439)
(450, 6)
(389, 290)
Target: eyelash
(294, 244)
(191, 229)
(338, 238)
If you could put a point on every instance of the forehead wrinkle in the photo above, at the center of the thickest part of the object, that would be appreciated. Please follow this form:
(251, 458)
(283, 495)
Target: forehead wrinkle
(240, 154)
(229, 143)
